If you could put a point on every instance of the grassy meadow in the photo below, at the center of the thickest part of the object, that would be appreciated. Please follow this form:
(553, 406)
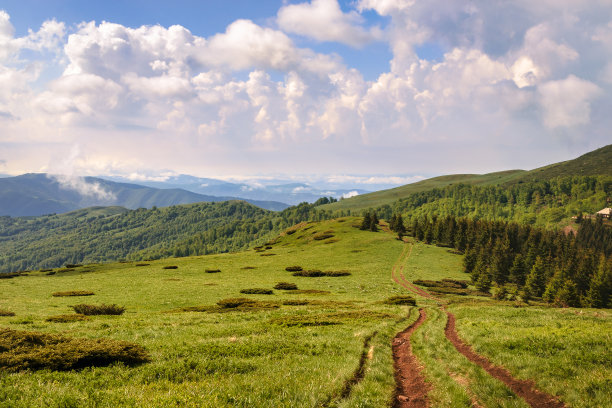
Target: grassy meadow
(296, 348)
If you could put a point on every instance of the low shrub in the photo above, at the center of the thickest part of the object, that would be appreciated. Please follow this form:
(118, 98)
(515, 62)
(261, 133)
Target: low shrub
(400, 300)
(170, 267)
(267, 254)
(4, 312)
(315, 273)
(212, 270)
(73, 293)
(257, 291)
(285, 286)
(45, 270)
(26, 350)
(293, 268)
(51, 273)
(9, 275)
(142, 264)
(91, 310)
(460, 283)
(303, 321)
(248, 267)
(245, 303)
(332, 240)
(449, 291)
(71, 266)
(321, 236)
(67, 318)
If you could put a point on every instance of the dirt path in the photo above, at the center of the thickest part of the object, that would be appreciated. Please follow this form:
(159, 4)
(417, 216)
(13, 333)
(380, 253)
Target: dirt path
(411, 388)
(407, 370)
(523, 388)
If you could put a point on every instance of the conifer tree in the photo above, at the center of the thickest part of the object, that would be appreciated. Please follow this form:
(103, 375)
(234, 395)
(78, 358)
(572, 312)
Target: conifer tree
(601, 287)
(365, 224)
(534, 285)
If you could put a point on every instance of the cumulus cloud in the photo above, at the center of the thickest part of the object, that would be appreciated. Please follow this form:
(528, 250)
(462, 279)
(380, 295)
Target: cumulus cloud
(567, 102)
(350, 194)
(251, 98)
(323, 20)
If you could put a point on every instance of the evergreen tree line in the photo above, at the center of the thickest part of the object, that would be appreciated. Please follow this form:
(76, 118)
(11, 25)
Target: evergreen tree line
(561, 269)
(370, 222)
(536, 202)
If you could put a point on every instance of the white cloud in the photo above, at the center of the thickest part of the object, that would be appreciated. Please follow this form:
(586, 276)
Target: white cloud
(323, 20)
(350, 194)
(84, 188)
(567, 102)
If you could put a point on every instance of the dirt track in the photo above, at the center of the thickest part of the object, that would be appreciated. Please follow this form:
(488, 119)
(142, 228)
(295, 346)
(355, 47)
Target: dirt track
(413, 394)
(411, 388)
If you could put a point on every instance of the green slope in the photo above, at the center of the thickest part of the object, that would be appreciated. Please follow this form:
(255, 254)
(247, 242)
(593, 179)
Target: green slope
(597, 162)
(383, 197)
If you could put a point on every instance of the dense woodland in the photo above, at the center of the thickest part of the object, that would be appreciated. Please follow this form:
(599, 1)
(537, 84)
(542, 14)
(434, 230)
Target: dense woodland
(543, 203)
(96, 235)
(530, 262)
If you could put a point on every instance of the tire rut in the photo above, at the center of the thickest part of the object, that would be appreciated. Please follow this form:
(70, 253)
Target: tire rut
(523, 388)
(411, 389)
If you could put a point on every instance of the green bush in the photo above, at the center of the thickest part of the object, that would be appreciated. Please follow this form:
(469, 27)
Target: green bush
(296, 302)
(213, 270)
(170, 267)
(293, 268)
(67, 318)
(91, 310)
(142, 264)
(73, 293)
(4, 312)
(400, 300)
(321, 236)
(315, 273)
(71, 266)
(257, 291)
(244, 304)
(285, 286)
(23, 350)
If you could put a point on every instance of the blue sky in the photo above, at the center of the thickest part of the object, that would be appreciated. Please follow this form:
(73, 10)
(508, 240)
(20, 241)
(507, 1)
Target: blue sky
(342, 90)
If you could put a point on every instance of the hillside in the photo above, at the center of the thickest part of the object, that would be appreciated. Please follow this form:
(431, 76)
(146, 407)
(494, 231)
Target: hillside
(218, 331)
(39, 194)
(110, 233)
(595, 163)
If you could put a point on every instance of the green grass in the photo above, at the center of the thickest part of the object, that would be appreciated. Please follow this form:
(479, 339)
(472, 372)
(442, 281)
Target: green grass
(567, 351)
(301, 351)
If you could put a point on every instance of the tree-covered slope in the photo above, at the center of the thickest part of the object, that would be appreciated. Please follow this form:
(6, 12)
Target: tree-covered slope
(111, 233)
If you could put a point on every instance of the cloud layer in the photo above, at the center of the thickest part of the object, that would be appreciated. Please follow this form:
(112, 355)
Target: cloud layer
(520, 84)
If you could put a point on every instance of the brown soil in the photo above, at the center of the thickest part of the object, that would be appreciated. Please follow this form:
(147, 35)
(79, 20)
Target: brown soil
(523, 388)
(411, 389)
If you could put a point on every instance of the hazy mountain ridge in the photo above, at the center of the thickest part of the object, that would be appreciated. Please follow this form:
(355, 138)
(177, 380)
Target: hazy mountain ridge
(37, 194)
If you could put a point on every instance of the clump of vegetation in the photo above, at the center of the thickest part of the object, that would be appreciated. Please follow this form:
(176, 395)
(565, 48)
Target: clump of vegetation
(310, 292)
(268, 254)
(25, 350)
(257, 291)
(322, 235)
(207, 270)
(315, 273)
(50, 273)
(66, 318)
(45, 270)
(295, 268)
(247, 267)
(303, 321)
(244, 304)
(170, 267)
(400, 300)
(91, 310)
(73, 293)
(296, 302)
(4, 312)
(285, 286)
(72, 266)
(142, 264)
(10, 275)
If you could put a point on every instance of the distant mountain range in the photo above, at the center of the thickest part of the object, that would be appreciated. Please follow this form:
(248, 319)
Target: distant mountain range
(38, 194)
(290, 193)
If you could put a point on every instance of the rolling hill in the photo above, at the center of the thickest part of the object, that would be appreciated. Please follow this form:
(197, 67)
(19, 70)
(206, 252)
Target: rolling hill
(39, 194)
(595, 163)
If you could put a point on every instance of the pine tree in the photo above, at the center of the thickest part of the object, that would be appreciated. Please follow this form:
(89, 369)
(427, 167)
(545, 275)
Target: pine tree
(518, 271)
(365, 224)
(373, 222)
(534, 286)
(567, 296)
(400, 228)
(600, 290)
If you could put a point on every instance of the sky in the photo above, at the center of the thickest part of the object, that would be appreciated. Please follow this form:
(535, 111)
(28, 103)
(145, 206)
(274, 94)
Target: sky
(361, 90)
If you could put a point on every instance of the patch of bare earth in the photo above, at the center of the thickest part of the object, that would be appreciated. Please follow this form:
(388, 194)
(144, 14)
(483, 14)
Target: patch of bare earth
(411, 388)
(523, 388)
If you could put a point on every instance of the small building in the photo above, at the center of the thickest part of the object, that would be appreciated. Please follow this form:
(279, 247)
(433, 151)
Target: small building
(606, 213)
